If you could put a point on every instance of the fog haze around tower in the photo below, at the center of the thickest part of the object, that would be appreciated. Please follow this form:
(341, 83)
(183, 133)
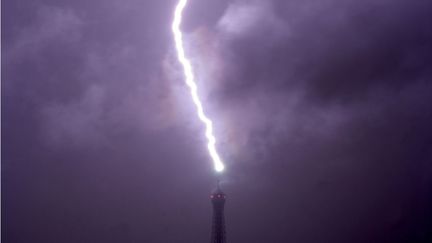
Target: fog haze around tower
(322, 111)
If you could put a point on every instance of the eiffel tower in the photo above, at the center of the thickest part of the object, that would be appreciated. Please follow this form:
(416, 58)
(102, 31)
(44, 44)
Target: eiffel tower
(218, 227)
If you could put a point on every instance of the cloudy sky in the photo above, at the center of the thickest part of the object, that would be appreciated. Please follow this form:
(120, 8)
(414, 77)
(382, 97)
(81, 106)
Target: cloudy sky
(322, 110)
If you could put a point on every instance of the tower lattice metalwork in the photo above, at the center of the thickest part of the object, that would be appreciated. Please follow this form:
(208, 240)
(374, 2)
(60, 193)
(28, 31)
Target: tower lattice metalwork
(218, 234)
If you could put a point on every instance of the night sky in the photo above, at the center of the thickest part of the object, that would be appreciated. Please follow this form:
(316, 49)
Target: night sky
(322, 110)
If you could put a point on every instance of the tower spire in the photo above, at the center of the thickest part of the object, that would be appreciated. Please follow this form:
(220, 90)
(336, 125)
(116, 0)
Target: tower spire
(218, 227)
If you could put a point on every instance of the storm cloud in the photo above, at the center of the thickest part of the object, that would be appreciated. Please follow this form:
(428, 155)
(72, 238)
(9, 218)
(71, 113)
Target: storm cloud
(322, 111)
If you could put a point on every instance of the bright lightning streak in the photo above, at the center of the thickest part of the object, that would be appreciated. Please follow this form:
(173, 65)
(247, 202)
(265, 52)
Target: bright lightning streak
(189, 78)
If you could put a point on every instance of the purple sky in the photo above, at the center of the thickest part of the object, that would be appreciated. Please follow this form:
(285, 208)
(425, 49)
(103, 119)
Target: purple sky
(322, 110)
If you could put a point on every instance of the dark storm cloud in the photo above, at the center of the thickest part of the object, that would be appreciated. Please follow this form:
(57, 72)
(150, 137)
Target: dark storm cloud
(343, 97)
(86, 88)
(338, 63)
(322, 110)
(341, 52)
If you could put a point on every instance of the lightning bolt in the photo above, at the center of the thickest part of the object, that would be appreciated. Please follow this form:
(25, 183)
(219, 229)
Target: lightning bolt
(190, 81)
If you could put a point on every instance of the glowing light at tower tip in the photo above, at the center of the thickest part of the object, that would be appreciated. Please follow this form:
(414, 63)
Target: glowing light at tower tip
(190, 81)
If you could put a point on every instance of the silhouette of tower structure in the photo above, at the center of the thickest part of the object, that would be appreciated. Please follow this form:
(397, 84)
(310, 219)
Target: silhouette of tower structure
(218, 227)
